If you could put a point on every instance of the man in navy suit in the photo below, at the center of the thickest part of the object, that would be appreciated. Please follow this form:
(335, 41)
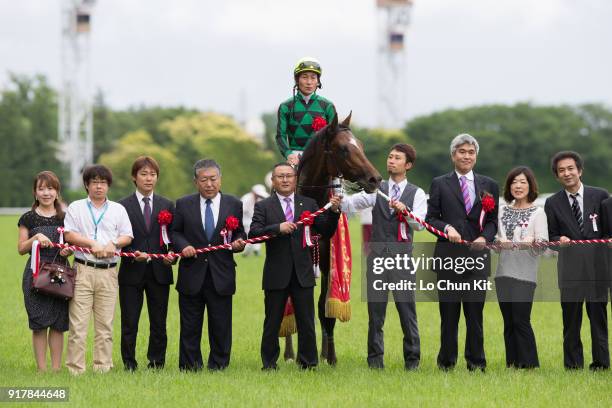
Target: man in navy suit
(206, 280)
(455, 207)
(143, 275)
(574, 213)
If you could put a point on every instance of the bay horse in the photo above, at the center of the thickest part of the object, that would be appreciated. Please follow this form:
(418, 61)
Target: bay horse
(332, 152)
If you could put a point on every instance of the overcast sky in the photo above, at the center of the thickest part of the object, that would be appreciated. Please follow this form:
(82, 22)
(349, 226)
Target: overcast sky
(205, 54)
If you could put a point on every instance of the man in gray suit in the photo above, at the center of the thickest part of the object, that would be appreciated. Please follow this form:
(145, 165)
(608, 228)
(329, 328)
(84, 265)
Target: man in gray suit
(386, 242)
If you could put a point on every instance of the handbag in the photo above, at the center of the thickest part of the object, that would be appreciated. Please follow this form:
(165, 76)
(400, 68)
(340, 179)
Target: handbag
(55, 279)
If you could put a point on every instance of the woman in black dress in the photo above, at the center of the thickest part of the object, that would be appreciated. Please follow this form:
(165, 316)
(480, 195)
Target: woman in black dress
(47, 316)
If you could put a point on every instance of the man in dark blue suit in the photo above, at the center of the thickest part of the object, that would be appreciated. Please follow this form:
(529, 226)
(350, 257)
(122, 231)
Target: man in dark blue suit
(455, 206)
(206, 280)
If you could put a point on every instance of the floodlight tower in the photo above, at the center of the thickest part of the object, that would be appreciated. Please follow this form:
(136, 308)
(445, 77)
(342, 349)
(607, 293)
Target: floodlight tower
(393, 21)
(75, 97)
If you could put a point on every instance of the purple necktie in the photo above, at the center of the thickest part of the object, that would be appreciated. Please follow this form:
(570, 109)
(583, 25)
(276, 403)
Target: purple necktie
(147, 213)
(395, 195)
(288, 210)
(466, 194)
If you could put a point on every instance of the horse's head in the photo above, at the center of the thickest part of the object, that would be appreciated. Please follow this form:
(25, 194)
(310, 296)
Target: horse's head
(347, 157)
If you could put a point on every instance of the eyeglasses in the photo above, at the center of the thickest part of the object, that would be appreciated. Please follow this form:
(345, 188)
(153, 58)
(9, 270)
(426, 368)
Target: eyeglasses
(285, 176)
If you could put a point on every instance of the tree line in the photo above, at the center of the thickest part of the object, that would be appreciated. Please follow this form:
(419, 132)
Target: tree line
(509, 135)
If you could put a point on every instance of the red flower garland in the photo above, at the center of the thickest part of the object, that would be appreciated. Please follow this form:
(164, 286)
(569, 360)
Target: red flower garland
(319, 123)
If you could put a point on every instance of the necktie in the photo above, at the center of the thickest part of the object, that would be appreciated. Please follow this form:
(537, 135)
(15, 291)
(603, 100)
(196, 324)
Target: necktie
(576, 211)
(466, 194)
(395, 194)
(147, 213)
(209, 221)
(288, 210)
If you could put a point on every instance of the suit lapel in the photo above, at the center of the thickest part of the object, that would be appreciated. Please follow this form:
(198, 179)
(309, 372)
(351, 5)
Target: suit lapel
(278, 208)
(566, 210)
(298, 207)
(588, 208)
(137, 213)
(479, 189)
(195, 205)
(453, 184)
(224, 212)
(155, 212)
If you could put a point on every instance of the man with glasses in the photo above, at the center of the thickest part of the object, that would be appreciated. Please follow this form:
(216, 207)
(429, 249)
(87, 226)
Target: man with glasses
(288, 266)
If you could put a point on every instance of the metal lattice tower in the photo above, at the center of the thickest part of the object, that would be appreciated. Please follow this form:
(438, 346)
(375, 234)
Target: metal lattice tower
(75, 98)
(393, 21)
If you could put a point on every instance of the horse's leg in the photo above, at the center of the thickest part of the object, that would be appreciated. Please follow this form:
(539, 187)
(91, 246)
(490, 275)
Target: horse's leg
(289, 354)
(328, 350)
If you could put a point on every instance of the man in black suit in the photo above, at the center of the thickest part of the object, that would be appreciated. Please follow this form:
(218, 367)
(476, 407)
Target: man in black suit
(206, 280)
(606, 220)
(142, 274)
(455, 207)
(288, 267)
(575, 213)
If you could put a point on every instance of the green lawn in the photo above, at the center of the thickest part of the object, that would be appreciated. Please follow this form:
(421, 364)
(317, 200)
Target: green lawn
(350, 383)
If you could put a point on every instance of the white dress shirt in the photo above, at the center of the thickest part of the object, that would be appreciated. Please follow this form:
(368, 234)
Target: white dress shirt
(357, 202)
(115, 223)
(470, 183)
(139, 197)
(216, 202)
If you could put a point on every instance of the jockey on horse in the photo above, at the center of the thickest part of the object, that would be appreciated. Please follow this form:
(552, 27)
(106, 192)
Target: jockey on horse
(296, 117)
(297, 114)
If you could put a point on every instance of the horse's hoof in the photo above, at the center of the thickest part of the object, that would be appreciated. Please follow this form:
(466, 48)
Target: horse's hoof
(332, 360)
(324, 348)
(289, 355)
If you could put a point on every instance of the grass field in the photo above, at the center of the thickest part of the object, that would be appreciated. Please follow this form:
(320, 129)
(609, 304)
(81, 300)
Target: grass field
(350, 383)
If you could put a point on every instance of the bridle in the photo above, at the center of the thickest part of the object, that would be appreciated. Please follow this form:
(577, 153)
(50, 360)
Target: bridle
(335, 174)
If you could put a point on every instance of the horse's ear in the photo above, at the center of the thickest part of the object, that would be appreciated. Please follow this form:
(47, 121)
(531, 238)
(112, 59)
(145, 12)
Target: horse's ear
(332, 128)
(346, 122)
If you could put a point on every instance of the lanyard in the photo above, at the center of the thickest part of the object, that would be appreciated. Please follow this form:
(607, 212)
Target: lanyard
(96, 222)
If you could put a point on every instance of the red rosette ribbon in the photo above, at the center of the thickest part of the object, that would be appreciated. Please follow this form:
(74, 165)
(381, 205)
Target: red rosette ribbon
(403, 229)
(307, 219)
(164, 218)
(319, 123)
(60, 230)
(488, 205)
(231, 223)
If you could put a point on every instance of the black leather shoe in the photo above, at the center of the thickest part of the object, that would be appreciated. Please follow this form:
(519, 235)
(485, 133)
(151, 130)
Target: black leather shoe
(130, 367)
(598, 367)
(474, 367)
(270, 368)
(156, 364)
(446, 368)
(411, 366)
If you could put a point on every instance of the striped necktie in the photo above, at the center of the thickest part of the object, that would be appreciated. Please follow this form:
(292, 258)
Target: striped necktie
(466, 194)
(577, 212)
(288, 210)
